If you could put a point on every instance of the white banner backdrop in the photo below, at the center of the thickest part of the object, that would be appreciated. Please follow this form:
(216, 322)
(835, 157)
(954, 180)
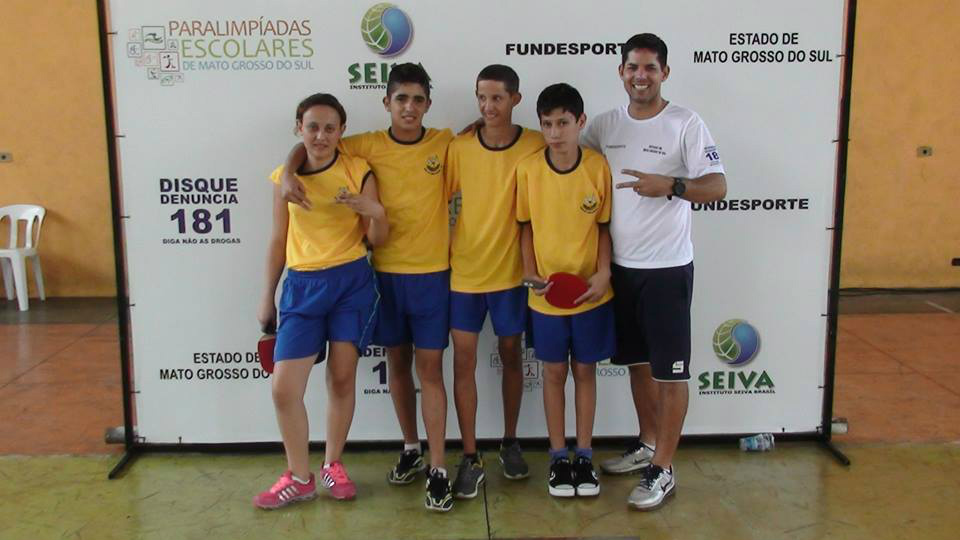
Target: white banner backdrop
(206, 93)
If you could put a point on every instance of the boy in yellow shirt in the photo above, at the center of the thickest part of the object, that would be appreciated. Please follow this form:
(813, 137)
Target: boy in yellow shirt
(563, 202)
(485, 266)
(412, 267)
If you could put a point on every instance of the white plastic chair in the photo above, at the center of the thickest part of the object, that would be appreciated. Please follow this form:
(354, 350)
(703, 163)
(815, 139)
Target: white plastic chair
(13, 258)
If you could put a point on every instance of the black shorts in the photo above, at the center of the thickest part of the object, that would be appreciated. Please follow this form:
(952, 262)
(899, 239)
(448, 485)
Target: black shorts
(652, 310)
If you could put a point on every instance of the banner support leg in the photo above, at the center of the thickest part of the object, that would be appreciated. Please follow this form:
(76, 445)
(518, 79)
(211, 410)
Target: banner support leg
(129, 456)
(835, 452)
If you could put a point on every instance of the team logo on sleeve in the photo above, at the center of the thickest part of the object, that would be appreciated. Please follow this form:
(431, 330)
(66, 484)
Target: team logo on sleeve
(590, 204)
(710, 152)
(433, 165)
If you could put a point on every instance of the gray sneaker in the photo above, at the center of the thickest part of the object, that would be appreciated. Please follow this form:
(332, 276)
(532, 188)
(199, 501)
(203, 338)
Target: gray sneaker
(634, 459)
(514, 466)
(655, 486)
(469, 477)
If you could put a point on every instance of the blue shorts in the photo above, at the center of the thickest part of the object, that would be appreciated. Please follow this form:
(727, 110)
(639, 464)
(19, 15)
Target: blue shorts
(336, 304)
(508, 311)
(588, 337)
(414, 308)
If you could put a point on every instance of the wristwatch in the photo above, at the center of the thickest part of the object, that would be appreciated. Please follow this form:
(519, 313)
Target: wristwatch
(679, 188)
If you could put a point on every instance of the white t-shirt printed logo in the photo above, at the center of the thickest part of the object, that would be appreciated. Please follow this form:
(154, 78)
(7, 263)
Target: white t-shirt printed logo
(711, 155)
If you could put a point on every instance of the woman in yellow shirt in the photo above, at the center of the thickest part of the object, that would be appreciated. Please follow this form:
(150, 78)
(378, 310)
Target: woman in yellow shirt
(329, 295)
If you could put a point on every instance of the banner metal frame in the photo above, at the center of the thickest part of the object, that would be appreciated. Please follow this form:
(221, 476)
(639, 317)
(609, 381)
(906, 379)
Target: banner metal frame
(134, 447)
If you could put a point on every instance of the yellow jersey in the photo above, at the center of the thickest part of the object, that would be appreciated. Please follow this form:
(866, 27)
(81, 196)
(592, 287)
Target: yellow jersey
(412, 190)
(485, 246)
(329, 234)
(565, 209)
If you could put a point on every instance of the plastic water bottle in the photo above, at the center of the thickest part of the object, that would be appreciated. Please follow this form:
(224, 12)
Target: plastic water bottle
(762, 442)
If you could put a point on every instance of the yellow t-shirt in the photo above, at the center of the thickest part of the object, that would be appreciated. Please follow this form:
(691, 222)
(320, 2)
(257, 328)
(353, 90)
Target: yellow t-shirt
(412, 191)
(485, 247)
(565, 210)
(329, 234)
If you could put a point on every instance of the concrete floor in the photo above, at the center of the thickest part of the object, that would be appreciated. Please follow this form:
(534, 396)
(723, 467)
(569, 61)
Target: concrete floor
(796, 492)
(898, 383)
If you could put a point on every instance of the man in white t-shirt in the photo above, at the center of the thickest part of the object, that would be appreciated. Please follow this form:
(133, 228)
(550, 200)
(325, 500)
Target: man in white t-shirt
(663, 158)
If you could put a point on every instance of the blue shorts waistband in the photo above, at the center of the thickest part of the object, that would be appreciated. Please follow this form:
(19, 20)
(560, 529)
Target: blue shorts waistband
(334, 271)
(419, 274)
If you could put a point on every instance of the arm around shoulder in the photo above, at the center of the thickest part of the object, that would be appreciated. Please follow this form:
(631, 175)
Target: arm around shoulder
(375, 222)
(291, 189)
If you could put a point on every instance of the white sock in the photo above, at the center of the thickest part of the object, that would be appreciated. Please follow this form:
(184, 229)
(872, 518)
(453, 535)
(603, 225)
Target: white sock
(441, 471)
(411, 446)
(299, 480)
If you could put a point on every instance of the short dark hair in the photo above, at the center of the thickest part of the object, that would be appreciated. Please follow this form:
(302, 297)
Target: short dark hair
(408, 73)
(650, 42)
(560, 96)
(501, 73)
(321, 99)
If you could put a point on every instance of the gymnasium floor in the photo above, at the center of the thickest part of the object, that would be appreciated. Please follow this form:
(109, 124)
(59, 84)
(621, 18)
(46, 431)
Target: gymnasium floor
(898, 384)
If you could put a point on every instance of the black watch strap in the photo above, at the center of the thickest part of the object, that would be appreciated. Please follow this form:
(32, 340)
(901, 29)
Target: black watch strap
(679, 187)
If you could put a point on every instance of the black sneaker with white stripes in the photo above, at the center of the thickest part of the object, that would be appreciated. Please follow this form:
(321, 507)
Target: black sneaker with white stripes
(585, 478)
(408, 466)
(439, 496)
(560, 482)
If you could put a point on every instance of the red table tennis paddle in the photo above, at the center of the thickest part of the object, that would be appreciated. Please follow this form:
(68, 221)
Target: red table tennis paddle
(265, 351)
(566, 288)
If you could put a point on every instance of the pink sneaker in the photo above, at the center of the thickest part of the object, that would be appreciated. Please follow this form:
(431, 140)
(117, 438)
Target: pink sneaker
(336, 480)
(285, 491)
